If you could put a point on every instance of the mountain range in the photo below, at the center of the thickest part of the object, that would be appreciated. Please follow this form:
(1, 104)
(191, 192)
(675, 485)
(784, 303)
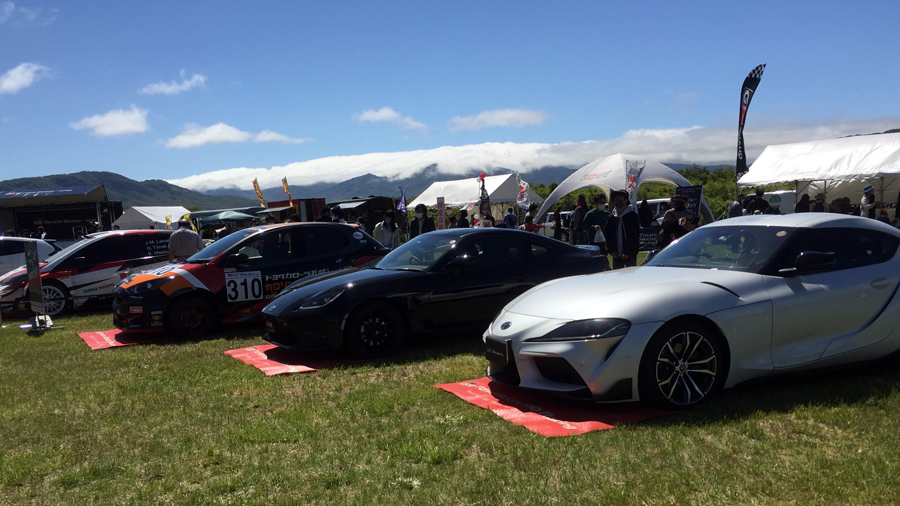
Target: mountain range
(155, 192)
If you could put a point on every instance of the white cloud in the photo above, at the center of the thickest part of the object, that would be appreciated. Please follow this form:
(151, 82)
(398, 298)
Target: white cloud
(6, 11)
(195, 135)
(703, 145)
(115, 122)
(29, 14)
(513, 118)
(174, 87)
(392, 116)
(22, 77)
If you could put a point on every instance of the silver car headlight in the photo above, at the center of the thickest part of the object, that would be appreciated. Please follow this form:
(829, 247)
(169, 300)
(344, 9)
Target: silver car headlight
(582, 330)
(321, 299)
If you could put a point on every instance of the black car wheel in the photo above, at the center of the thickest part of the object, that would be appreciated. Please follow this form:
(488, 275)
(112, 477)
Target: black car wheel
(374, 330)
(56, 299)
(190, 317)
(682, 365)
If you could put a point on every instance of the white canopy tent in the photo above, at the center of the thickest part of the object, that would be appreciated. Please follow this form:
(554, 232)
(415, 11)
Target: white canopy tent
(836, 167)
(612, 173)
(144, 217)
(466, 193)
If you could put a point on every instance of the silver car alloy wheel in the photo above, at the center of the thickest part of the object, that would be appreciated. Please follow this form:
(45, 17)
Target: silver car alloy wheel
(54, 300)
(686, 368)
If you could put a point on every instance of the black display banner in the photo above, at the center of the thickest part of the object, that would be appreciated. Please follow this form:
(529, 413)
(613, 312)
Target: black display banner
(694, 195)
(747, 91)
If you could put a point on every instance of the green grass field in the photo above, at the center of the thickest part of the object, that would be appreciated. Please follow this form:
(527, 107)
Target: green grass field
(185, 424)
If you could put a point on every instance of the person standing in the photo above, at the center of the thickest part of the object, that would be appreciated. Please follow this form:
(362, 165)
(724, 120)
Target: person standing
(623, 229)
(678, 210)
(819, 204)
(759, 203)
(802, 205)
(530, 226)
(644, 213)
(673, 230)
(386, 232)
(595, 219)
(337, 215)
(184, 242)
(510, 220)
(463, 221)
(576, 219)
(736, 208)
(422, 223)
(867, 204)
(557, 224)
(325, 217)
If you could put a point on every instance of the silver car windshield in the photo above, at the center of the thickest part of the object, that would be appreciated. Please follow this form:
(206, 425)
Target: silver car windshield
(738, 248)
(418, 254)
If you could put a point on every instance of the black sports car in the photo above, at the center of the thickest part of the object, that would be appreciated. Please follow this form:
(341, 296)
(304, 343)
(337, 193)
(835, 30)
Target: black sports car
(441, 282)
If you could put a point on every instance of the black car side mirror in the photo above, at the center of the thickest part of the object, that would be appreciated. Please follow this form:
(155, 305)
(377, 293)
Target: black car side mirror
(810, 262)
(235, 259)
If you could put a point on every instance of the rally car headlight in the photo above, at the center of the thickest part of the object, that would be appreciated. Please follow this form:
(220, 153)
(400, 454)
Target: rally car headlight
(321, 299)
(148, 286)
(13, 283)
(582, 330)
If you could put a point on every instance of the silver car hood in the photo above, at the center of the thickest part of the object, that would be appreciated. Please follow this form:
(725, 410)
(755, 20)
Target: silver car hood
(640, 294)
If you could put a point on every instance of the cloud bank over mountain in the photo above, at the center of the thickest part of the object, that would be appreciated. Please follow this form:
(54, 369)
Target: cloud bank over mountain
(703, 145)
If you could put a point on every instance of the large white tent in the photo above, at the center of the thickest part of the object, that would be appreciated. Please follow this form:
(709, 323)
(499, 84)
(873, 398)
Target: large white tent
(612, 173)
(144, 217)
(837, 167)
(466, 193)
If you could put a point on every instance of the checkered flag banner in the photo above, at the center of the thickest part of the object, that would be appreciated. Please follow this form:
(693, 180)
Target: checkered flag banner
(749, 88)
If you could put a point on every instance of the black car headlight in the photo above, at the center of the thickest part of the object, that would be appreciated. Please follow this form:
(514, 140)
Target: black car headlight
(148, 286)
(321, 299)
(583, 330)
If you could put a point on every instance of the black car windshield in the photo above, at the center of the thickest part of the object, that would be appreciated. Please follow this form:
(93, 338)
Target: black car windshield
(221, 246)
(418, 254)
(738, 248)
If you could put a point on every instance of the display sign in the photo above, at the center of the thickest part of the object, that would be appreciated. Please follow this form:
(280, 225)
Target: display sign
(441, 213)
(648, 238)
(33, 266)
(694, 195)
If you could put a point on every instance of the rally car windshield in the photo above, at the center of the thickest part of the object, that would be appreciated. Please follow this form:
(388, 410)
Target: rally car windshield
(738, 248)
(221, 246)
(418, 254)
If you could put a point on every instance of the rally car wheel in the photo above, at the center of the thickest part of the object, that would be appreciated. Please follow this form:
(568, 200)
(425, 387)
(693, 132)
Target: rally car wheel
(374, 330)
(56, 299)
(682, 365)
(190, 317)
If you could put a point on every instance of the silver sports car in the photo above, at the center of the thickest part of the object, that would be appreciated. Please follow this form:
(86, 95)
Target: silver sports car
(732, 301)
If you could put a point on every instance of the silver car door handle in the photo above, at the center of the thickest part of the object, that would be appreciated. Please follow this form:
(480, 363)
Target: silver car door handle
(881, 283)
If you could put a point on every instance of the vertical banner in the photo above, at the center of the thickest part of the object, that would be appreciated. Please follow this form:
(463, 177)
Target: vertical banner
(288, 191)
(633, 170)
(749, 88)
(33, 267)
(523, 200)
(441, 211)
(693, 195)
(401, 206)
(258, 194)
(168, 223)
(484, 201)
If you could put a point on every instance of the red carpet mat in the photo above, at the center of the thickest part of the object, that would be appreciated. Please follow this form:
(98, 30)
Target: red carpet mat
(273, 360)
(547, 415)
(115, 337)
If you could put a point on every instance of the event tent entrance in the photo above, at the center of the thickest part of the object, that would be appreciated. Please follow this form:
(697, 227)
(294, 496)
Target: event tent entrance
(613, 173)
(145, 217)
(836, 167)
(466, 193)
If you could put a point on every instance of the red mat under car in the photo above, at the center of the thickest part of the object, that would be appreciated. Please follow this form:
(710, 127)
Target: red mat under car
(115, 337)
(545, 415)
(273, 360)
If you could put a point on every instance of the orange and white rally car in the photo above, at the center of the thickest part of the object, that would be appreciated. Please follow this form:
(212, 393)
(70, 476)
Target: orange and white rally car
(234, 278)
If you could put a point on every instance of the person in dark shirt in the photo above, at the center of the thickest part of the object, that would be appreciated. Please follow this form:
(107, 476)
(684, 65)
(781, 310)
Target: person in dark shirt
(645, 214)
(672, 230)
(326, 215)
(623, 230)
(759, 203)
(803, 205)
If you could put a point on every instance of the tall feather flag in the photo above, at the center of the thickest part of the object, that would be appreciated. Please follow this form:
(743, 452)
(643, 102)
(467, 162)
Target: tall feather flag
(401, 206)
(258, 193)
(288, 191)
(749, 88)
(523, 199)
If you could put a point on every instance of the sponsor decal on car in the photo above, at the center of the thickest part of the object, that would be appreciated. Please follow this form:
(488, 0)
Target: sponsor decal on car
(136, 309)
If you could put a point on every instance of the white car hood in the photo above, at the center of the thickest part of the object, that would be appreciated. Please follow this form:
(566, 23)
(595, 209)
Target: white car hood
(640, 294)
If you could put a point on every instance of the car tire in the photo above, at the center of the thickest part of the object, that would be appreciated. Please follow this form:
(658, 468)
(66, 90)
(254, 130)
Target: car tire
(190, 317)
(56, 298)
(682, 365)
(374, 330)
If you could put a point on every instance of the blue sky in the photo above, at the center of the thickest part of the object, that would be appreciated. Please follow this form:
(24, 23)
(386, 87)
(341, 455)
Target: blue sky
(209, 93)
